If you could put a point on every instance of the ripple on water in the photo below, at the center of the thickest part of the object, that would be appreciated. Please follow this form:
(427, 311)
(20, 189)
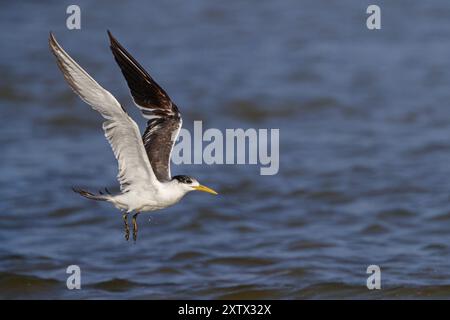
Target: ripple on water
(436, 247)
(168, 271)
(308, 245)
(375, 228)
(242, 261)
(250, 111)
(187, 256)
(64, 211)
(408, 292)
(297, 273)
(331, 290)
(239, 292)
(250, 292)
(65, 122)
(13, 285)
(330, 196)
(441, 217)
(115, 285)
(393, 214)
(12, 94)
(430, 148)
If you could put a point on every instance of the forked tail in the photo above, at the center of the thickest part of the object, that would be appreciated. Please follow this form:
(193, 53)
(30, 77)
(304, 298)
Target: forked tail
(101, 196)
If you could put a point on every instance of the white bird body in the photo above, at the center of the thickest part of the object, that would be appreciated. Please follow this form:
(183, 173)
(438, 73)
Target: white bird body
(149, 199)
(144, 174)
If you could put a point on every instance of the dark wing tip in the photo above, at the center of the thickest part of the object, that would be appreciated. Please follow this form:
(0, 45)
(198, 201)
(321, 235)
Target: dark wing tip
(76, 189)
(51, 39)
(111, 37)
(114, 44)
(145, 91)
(53, 44)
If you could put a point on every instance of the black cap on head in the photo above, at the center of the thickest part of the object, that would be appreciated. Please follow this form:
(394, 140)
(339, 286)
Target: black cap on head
(183, 179)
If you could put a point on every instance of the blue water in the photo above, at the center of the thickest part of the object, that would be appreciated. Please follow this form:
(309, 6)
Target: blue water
(364, 119)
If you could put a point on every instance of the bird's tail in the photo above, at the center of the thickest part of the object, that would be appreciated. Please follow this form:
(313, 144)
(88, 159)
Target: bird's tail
(100, 197)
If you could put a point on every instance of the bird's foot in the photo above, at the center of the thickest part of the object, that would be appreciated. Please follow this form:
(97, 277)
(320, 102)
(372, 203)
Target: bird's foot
(135, 227)
(127, 228)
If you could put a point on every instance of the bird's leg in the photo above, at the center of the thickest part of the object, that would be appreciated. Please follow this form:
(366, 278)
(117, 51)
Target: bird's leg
(127, 229)
(135, 227)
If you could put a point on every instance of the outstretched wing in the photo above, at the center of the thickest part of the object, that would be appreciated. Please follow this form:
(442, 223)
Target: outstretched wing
(120, 130)
(164, 119)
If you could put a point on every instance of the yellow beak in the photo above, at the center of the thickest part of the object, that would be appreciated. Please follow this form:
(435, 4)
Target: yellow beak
(205, 189)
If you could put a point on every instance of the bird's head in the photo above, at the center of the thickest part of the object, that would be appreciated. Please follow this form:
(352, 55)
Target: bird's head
(190, 184)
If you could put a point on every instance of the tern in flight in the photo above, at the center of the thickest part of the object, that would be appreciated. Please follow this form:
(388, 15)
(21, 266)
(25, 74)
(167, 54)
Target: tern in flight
(144, 162)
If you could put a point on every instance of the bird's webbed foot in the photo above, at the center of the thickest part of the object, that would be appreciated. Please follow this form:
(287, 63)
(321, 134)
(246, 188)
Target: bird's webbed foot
(135, 227)
(127, 228)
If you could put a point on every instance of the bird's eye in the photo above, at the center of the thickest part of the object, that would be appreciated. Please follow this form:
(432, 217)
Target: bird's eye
(188, 181)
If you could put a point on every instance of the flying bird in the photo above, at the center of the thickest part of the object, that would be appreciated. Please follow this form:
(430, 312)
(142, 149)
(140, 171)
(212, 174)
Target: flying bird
(146, 183)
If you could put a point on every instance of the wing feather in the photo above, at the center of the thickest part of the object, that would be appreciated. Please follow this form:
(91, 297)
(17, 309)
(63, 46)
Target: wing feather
(164, 119)
(120, 130)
